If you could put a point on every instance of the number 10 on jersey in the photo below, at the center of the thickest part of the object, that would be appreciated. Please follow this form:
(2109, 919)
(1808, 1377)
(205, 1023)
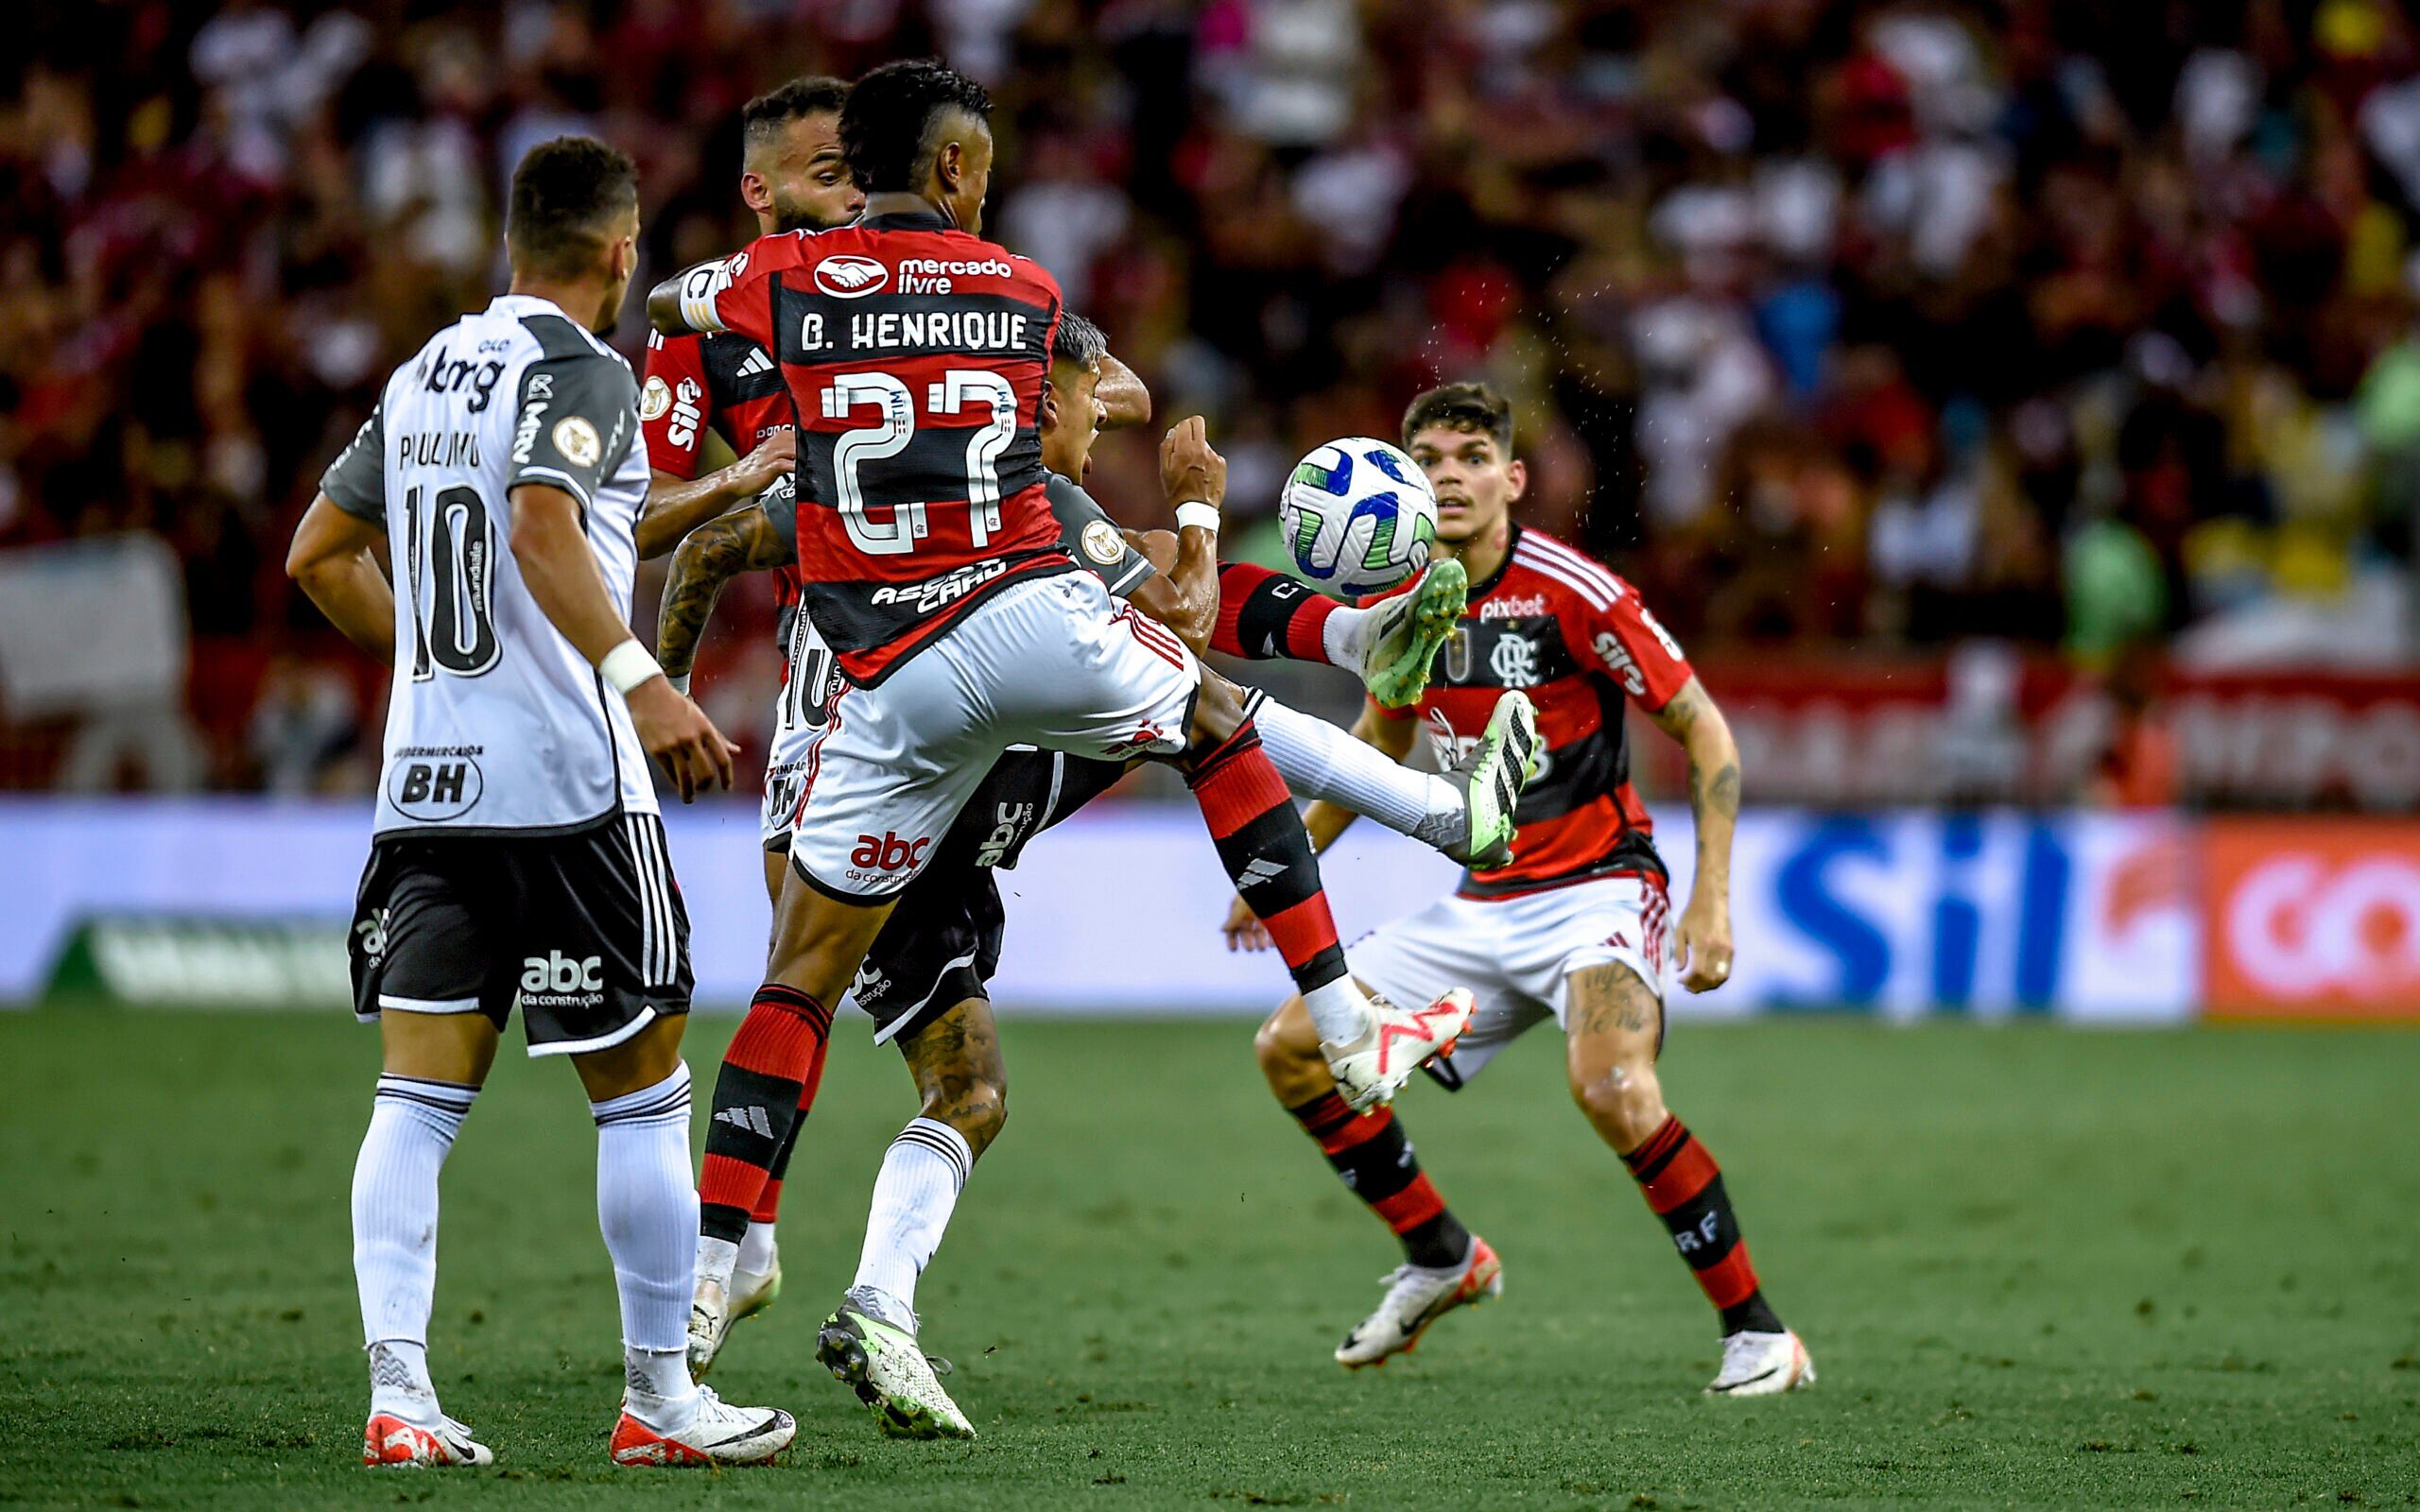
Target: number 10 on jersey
(961, 389)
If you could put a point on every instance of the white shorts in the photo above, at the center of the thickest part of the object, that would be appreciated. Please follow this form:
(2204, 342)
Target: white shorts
(1515, 954)
(785, 775)
(1054, 663)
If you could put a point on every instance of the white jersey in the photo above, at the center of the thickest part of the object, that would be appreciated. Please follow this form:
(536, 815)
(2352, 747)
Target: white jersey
(496, 724)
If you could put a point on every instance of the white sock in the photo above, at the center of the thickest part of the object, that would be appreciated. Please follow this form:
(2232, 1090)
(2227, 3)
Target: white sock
(412, 1123)
(1320, 761)
(922, 1172)
(756, 1248)
(647, 1203)
(1344, 636)
(1339, 1011)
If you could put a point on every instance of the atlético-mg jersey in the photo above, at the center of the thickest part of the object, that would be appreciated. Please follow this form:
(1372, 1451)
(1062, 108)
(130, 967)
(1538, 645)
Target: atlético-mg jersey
(1577, 641)
(915, 356)
(495, 723)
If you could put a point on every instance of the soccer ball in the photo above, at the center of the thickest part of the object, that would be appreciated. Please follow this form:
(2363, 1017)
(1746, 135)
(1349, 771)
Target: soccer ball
(1359, 516)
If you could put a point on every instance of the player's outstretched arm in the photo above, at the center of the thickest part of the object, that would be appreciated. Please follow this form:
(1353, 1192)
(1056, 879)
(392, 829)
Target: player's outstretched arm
(552, 549)
(685, 304)
(1184, 594)
(710, 555)
(334, 561)
(1702, 944)
(676, 506)
(1323, 821)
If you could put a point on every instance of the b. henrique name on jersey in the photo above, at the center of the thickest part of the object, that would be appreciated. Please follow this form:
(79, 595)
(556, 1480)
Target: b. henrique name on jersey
(915, 356)
(495, 723)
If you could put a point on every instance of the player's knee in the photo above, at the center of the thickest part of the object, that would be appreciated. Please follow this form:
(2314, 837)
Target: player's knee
(978, 1110)
(1624, 1102)
(1218, 714)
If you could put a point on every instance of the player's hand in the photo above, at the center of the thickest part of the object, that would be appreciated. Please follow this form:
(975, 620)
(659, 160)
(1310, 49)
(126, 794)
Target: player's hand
(764, 466)
(681, 738)
(1244, 930)
(1701, 946)
(1190, 470)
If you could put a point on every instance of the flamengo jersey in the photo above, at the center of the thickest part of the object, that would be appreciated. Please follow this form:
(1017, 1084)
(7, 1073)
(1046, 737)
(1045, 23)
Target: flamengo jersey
(915, 356)
(1576, 637)
(722, 383)
(495, 724)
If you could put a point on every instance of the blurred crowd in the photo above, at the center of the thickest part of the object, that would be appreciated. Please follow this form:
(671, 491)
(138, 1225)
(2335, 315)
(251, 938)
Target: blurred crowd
(2084, 324)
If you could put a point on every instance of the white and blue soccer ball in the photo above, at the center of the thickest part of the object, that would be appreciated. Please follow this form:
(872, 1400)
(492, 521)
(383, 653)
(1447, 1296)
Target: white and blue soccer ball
(1359, 516)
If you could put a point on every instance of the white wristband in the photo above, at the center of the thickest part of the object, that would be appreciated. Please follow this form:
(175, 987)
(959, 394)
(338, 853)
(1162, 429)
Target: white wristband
(1197, 513)
(628, 665)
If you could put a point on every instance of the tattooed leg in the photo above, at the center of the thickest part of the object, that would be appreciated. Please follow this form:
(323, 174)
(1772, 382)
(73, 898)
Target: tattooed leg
(959, 1073)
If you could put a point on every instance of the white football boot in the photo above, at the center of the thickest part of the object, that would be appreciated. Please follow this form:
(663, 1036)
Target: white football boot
(391, 1441)
(1394, 1043)
(715, 1433)
(1762, 1365)
(1417, 1297)
(1491, 776)
(882, 1363)
(715, 1308)
(1396, 643)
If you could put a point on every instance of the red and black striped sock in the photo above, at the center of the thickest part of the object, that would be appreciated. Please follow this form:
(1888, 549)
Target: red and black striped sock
(1375, 1161)
(1265, 615)
(1268, 856)
(768, 1202)
(1685, 1187)
(756, 1104)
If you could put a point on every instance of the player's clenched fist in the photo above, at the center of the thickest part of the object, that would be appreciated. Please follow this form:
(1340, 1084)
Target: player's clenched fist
(681, 738)
(1701, 945)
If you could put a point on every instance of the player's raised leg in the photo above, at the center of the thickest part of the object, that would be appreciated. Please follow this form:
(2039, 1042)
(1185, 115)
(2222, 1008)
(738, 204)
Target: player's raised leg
(1466, 811)
(1372, 1046)
(434, 1063)
(1444, 1264)
(646, 1207)
(1389, 644)
(871, 1341)
(1615, 1023)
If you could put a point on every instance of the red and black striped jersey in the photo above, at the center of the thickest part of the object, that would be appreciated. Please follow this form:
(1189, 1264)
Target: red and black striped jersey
(914, 356)
(1577, 639)
(722, 383)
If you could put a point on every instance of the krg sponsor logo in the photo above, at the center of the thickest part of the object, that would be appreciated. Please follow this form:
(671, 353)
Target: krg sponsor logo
(850, 277)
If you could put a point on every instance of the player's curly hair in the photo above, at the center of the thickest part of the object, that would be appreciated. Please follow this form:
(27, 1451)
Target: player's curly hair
(564, 193)
(887, 127)
(1078, 341)
(1473, 408)
(761, 119)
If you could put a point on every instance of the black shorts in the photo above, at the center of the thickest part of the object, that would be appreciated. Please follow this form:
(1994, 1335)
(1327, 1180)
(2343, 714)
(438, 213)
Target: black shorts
(938, 949)
(585, 931)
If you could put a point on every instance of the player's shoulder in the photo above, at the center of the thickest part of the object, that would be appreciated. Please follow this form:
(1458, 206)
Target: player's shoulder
(1541, 564)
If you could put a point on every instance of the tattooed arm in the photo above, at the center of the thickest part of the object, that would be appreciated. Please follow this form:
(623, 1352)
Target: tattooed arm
(1703, 943)
(710, 555)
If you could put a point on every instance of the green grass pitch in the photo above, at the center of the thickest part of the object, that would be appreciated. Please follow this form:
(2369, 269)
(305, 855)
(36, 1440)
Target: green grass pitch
(2038, 1267)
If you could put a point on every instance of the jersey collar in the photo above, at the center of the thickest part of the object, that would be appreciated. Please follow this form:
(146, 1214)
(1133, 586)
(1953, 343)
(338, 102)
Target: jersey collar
(908, 221)
(524, 305)
(1487, 585)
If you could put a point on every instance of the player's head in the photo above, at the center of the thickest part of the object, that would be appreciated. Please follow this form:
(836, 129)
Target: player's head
(1461, 436)
(924, 129)
(1072, 418)
(790, 171)
(574, 222)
